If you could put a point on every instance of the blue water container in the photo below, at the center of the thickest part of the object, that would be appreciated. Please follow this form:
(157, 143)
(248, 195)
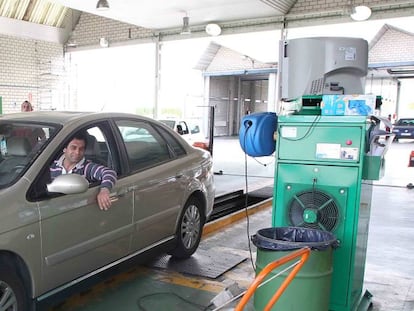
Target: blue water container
(256, 133)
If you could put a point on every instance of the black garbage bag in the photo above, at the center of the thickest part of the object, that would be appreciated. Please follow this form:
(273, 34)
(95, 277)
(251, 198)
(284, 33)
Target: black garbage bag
(290, 238)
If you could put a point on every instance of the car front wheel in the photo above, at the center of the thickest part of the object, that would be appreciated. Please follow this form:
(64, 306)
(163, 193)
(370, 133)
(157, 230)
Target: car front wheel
(190, 228)
(12, 293)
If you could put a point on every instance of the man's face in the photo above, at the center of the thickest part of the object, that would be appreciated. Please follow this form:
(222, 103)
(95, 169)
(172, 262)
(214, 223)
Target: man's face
(75, 151)
(26, 107)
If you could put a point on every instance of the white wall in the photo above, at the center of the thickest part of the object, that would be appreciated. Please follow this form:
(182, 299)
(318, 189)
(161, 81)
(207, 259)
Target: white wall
(118, 79)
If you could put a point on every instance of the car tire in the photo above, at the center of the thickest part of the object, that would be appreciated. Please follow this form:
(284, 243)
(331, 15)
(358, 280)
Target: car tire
(190, 229)
(12, 291)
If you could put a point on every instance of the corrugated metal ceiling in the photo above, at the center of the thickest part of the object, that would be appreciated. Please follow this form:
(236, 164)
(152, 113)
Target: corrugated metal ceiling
(283, 6)
(35, 11)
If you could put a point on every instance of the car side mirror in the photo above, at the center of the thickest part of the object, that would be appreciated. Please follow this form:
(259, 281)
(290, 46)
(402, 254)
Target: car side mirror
(68, 184)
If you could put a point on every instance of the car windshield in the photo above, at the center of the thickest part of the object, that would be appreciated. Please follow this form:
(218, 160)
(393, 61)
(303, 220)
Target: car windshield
(20, 143)
(406, 122)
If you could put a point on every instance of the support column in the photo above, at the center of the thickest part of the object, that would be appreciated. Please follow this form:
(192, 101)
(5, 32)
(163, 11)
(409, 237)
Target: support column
(157, 76)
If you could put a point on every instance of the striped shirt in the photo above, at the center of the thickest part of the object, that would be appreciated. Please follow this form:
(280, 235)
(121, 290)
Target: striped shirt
(91, 171)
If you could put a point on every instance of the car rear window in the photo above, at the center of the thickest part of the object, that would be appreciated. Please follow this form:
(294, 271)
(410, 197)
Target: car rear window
(176, 147)
(144, 146)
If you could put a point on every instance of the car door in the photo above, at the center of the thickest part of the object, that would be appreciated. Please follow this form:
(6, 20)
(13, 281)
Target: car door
(157, 183)
(78, 237)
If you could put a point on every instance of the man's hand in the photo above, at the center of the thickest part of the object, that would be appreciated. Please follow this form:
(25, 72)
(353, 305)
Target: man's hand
(104, 201)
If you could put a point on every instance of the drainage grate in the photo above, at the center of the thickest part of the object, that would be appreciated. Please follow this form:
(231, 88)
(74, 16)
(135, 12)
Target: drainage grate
(203, 263)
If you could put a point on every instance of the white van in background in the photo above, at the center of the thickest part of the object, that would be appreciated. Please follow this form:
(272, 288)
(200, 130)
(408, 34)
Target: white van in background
(189, 130)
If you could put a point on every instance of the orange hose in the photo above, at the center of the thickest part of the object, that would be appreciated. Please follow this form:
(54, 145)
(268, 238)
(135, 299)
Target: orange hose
(303, 253)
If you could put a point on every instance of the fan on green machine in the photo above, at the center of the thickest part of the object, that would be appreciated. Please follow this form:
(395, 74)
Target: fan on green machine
(313, 209)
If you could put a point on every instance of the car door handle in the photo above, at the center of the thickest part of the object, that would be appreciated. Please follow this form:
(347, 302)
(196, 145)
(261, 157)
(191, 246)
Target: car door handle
(114, 198)
(124, 191)
(179, 175)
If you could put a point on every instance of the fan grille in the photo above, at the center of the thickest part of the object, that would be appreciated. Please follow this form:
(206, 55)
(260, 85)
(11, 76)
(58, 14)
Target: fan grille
(313, 209)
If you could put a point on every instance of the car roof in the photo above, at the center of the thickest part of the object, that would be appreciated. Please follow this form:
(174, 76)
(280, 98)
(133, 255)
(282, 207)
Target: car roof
(67, 117)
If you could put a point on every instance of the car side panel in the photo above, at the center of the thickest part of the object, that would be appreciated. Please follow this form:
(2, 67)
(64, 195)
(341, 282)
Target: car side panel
(158, 197)
(21, 235)
(78, 237)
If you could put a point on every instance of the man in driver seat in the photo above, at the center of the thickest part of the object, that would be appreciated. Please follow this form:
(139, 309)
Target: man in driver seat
(73, 161)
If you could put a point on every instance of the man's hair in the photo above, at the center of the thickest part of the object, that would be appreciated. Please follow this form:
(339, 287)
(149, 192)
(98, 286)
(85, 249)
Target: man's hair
(82, 135)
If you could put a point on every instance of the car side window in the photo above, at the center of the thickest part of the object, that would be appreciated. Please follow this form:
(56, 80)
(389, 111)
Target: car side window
(143, 144)
(195, 129)
(176, 147)
(97, 148)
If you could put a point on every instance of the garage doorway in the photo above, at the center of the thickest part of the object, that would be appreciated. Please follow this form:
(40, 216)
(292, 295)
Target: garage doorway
(234, 97)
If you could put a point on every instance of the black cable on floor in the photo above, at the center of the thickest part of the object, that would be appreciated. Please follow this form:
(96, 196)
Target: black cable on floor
(246, 204)
(246, 199)
(265, 164)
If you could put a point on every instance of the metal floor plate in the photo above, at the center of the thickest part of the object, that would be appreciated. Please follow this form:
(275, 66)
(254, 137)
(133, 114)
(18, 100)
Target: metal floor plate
(203, 263)
(265, 192)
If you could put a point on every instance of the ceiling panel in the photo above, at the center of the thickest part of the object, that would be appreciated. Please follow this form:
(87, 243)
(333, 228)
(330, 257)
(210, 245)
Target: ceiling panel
(283, 6)
(36, 11)
(161, 14)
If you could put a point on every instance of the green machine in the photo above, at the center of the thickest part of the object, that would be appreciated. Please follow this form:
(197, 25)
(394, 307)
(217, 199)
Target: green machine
(327, 157)
(323, 180)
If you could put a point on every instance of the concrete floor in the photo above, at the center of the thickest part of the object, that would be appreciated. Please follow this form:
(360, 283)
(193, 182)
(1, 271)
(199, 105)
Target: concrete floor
(389, 267)
(389, 274)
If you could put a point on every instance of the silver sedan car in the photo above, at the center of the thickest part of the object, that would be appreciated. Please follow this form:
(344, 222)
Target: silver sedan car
(53, 234)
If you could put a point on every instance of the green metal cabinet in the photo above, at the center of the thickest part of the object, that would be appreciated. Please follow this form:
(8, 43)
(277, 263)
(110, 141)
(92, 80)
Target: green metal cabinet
(318, 184)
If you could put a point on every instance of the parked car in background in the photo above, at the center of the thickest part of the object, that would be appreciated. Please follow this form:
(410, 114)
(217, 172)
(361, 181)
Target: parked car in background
(53, 234)
(189, 130)
(404, 129)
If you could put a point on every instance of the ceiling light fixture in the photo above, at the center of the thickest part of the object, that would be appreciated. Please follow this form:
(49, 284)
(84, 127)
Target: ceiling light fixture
(102, 5)
(213, 29)
(186, 26)
(400, 71)
(71, 43)
(360, 13)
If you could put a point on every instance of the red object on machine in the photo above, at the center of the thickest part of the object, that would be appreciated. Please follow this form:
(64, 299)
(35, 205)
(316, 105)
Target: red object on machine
(202, 145)
(411, 159)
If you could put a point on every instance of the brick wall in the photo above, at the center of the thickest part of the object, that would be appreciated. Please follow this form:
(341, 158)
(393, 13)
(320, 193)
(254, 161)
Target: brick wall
(25, 65)
(38, 70)
(91, 28)
(393, 46)
(306, 6)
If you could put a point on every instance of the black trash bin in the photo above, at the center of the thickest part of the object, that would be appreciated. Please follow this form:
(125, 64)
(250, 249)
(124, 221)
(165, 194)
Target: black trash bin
(310, 289)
